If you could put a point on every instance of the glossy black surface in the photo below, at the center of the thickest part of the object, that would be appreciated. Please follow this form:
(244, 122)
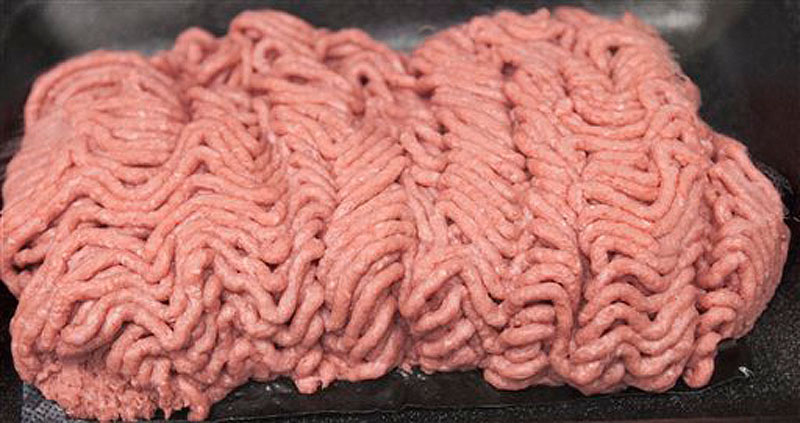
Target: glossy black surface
(744, 56)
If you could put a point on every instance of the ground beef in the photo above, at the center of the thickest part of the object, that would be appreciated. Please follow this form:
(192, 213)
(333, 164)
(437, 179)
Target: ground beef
(531, 195)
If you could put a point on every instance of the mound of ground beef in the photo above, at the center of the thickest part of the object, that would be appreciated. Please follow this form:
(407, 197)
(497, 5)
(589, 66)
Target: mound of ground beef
(532, 195)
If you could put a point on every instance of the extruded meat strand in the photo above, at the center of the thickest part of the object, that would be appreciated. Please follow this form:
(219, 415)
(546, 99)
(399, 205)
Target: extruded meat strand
(532, 195)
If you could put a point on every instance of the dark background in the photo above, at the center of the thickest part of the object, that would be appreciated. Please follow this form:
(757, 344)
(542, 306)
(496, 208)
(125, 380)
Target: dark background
(744, 56)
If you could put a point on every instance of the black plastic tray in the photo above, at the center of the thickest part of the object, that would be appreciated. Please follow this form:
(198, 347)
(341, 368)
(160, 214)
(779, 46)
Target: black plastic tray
(744, 56)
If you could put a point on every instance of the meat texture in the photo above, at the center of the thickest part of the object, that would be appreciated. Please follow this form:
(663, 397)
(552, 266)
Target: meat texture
(530, 195)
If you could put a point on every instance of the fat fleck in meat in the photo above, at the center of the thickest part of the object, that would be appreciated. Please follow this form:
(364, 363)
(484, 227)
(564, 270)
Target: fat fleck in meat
(531, 195)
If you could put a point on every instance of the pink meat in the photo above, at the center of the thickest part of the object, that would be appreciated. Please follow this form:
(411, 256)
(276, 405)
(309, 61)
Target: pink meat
(531, 195)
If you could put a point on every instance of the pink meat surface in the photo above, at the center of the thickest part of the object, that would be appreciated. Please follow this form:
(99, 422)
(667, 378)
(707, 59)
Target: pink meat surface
(530, 195)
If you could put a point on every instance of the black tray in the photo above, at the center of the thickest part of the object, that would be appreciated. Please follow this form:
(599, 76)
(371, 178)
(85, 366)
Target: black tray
(744, 56)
